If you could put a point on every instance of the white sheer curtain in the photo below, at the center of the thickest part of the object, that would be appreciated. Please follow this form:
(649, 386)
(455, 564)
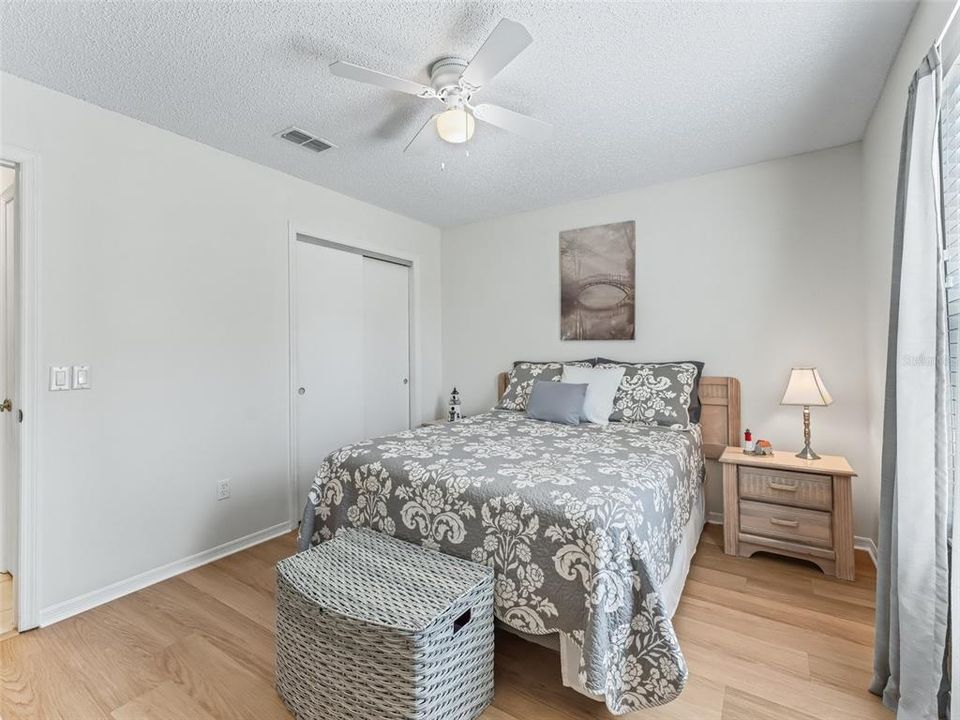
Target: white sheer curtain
(913, 571)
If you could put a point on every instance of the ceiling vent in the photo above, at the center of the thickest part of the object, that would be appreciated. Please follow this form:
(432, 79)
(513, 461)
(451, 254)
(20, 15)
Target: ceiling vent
(305, 140)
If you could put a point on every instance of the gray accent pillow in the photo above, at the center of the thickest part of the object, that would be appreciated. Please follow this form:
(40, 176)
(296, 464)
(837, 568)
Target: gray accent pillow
(525, 374)
(695, 405)
(557, 402)
(657, 393)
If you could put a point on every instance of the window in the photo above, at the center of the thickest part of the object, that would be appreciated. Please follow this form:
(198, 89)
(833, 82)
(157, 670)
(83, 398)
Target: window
(950, 154)
(950, 177)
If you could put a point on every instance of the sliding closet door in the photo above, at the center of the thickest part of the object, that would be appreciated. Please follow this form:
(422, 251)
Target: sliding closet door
(386, 347)
(329, 355)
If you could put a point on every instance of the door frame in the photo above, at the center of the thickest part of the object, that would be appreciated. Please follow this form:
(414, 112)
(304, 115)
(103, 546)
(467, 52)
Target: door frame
(412, 260)
(27, 578)
(9, 542)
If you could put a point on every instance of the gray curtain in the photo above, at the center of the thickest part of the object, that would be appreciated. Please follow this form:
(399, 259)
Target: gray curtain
(913, 573)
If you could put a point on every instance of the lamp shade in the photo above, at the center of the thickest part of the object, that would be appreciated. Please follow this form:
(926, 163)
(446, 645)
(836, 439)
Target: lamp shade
(805, 387)
(455, 125)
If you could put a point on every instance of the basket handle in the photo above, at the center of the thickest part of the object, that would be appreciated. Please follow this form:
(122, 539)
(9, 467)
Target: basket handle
(461, 621)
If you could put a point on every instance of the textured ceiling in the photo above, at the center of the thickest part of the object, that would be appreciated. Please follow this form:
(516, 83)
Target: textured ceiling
(638, 93)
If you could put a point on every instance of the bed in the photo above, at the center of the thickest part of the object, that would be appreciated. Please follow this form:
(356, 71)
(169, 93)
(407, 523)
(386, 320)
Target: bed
(590, 529)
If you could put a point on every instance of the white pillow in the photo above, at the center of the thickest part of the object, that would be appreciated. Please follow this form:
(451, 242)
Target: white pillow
(602, 384)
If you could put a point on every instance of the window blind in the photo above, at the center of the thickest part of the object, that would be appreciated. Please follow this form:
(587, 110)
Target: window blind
(950, 155)
(950, 178)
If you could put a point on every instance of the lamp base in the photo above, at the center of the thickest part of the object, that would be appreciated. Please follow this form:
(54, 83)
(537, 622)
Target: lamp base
(807, 453)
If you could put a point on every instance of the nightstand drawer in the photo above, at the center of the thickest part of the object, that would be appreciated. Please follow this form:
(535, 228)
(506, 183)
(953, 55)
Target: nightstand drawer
(787, 488)
(777, 521)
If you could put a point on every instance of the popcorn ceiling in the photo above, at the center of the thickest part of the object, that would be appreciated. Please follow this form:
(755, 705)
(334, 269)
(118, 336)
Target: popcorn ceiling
(638, 93)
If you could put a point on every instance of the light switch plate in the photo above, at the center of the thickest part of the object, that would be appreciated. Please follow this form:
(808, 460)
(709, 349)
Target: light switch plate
(59, 377)
(81, 377)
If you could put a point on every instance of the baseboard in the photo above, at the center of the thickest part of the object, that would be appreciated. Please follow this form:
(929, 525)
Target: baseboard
(90, 600)
(859, 543)
(868, 546)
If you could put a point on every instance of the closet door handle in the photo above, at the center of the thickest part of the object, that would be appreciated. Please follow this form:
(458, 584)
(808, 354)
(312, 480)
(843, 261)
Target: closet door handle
(405, 381)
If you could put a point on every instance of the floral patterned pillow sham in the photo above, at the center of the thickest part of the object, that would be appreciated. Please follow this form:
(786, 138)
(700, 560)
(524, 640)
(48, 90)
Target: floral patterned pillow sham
(657, 393)
(525, 374)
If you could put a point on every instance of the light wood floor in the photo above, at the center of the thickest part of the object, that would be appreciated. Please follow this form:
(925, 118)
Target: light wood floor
(765, 639)
(7, 624)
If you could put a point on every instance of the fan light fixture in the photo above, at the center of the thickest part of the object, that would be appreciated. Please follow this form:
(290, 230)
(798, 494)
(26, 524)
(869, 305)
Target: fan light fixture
(454, 82)
(455, 125)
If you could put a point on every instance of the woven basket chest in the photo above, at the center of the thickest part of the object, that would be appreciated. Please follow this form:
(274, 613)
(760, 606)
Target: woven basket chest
(373, 628)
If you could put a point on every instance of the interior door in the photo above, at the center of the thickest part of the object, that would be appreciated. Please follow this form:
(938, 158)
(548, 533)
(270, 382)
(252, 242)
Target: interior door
(329, 317)
(9, 427)
(386, 347)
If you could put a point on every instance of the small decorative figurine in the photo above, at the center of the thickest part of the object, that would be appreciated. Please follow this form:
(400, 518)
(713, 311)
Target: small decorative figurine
(748, 444)
(454, 413)
(763, 448)
(757, 447)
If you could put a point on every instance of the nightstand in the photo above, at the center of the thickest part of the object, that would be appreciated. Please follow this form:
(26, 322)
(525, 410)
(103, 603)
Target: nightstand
(440, 421)
(783, 504)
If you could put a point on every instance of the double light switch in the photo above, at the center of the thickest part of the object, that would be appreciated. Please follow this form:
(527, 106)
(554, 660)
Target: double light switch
(65, 377)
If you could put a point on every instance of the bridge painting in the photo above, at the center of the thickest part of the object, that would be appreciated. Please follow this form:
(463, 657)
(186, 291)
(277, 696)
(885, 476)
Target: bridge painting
(598, 282)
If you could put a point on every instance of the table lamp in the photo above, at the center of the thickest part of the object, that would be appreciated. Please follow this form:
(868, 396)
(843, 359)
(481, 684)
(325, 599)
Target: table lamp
(806, 388)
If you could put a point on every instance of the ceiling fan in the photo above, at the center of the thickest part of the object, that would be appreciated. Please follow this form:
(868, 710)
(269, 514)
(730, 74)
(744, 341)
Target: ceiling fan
(454, 81)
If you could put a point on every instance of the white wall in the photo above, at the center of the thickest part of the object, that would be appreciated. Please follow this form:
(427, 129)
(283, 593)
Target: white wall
(163, 265)
(881, 160)
(751, 270)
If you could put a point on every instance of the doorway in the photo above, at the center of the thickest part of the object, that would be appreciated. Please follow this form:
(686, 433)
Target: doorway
(19, 380)
(9, 427)
(350, 350)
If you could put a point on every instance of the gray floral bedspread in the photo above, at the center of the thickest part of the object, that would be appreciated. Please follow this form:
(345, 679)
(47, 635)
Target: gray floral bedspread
(579, 523)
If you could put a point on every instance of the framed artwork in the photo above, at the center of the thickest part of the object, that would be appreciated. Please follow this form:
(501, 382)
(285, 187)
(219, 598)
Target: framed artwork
(598, 282)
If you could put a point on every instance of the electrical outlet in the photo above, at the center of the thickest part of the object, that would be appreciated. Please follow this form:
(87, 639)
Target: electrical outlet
(223, 489)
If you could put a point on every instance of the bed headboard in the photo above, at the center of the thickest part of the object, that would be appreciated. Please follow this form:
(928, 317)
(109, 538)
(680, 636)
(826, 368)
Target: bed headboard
(719, 416)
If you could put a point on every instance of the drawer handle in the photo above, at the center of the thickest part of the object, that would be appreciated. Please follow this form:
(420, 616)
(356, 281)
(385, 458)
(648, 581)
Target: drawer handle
(785, 523)
(781, 486)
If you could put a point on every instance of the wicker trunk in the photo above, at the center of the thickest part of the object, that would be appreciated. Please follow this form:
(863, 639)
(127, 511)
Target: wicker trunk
(372, 628)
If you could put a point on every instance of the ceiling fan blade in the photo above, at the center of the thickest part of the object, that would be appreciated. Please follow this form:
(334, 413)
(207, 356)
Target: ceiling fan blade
(373, 77)
(422, 140)
(514, 122)
(507, 40)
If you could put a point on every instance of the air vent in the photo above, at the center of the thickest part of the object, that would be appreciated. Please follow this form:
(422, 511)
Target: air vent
(305, 140)
(295, 136)
(317, 145)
